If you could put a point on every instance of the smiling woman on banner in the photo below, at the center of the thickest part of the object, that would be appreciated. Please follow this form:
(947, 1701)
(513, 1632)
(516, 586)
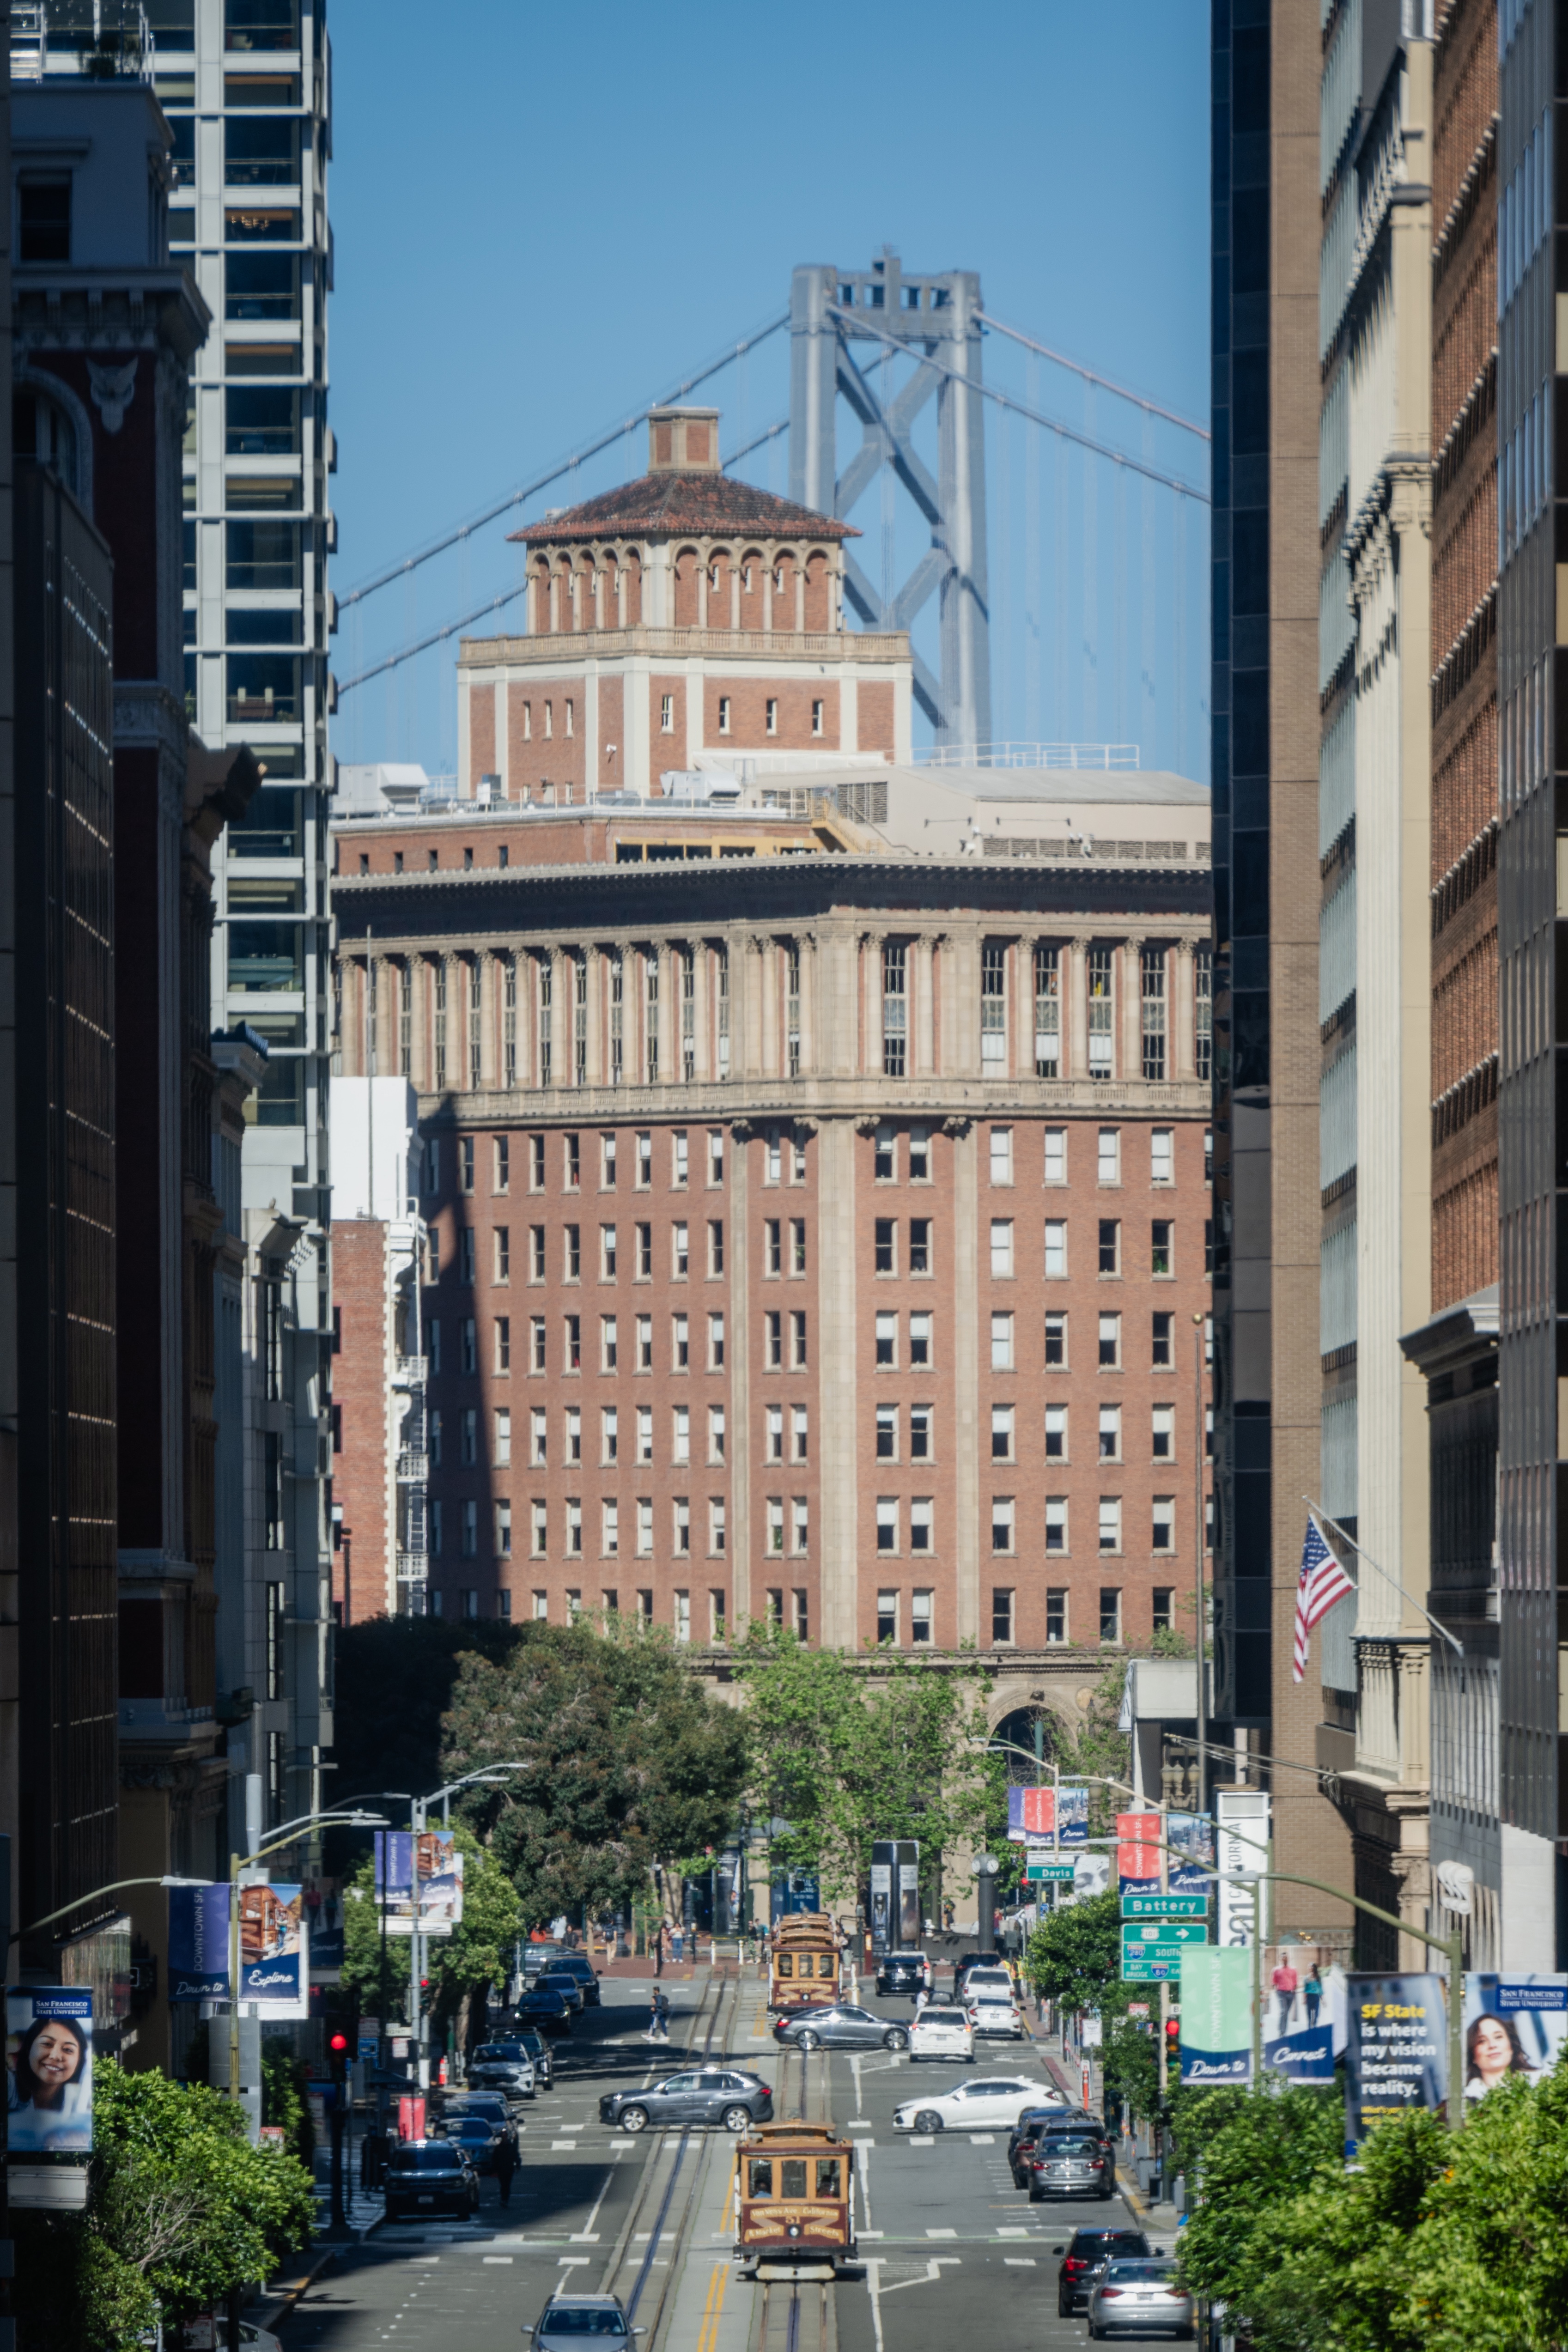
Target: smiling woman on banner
(49, 2094)
(1493, 2050)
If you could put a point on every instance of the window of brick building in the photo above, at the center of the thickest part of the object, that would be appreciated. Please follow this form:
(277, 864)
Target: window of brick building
(1002, 1614)
(1056, 1615)
(1111, 1612)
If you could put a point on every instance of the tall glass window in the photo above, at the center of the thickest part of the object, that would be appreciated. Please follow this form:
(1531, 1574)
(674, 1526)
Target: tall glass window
(993, 1009)
(895, 1009)
(1048, 1013)
(1152, 963)
(1101, 1011)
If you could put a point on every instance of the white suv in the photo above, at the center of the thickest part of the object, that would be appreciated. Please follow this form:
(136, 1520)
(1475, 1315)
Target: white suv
(991, 2003)
(940, 2033)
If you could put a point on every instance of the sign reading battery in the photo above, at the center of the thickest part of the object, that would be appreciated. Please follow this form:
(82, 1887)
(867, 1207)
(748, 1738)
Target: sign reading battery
(1165, 1907)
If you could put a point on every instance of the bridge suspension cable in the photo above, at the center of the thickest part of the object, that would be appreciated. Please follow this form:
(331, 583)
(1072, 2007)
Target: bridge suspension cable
(453, 538)
(863, 326)
(1105, 383)
(509, 595)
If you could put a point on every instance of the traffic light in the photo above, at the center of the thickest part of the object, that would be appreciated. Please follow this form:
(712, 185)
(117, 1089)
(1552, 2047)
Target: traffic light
(338, 2058)
(1172, 2036)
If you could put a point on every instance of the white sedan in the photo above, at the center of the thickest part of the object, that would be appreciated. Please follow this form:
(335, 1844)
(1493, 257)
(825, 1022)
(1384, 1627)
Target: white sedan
(940, 2034)
(991, 2012)
(983, 2103)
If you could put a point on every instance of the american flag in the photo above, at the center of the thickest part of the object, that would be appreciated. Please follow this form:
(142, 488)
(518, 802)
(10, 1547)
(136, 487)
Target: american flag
(1321, 1582)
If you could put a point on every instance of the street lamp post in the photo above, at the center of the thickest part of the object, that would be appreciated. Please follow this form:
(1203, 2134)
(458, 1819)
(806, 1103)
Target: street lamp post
(283, 1837)
(488, 1775)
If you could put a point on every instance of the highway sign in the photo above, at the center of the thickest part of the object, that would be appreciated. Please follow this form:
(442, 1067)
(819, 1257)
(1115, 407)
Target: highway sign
(1058, 1874)
(1165, 1907)
(1152, 1948)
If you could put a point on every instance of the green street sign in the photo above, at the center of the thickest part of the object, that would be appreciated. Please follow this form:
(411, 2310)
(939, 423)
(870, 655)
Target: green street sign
(1057, 1873)
(1153, 1949)
(1165, 1907)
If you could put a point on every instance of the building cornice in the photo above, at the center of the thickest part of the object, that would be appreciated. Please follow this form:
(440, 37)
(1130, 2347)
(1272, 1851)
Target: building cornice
(742, 1101)
(872, 647)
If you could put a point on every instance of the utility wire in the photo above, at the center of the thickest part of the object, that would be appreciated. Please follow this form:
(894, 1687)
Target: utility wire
(407, 563)
(863, 326)
(1089, 376)
(509, 595)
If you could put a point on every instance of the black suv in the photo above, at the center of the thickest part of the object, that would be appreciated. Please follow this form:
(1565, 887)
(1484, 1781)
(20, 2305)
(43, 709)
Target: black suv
(1089, 2251)
(903, 1972)
(706, 2095)
(1034, 2122)
(429, 2177)
(576, 1964)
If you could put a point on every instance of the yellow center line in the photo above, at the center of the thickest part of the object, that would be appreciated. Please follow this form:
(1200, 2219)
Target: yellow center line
(708, 2334)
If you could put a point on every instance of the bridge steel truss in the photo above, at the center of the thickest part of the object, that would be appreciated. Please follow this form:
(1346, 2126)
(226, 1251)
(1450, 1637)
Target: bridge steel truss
(937, 320)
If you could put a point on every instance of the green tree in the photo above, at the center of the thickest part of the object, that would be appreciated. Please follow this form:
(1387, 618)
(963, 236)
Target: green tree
(181, 2208)
(847, 1750)
(630, 1763)
(461, 1966)
(1254, 2152)
(1074, 1959)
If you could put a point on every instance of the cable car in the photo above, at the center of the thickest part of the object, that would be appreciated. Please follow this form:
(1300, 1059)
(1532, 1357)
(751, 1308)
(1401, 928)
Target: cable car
(806, 1961)
(794, 2212)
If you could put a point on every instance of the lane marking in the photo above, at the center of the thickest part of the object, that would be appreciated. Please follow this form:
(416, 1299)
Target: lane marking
(573, 2262)
(501, 2258)
(942, 2233)
(982, 2139)
(1019, 2262)
(708, 2334)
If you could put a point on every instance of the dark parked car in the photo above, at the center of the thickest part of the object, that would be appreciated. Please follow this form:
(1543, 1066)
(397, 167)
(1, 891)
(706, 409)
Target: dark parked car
(844, 2026)
(1070, 2164)
(562, 1982)
(538, 2049)
(508, 2067)
(545, 2011)
(708, 2095)
(480, 2136)
(429, 2177)
(537, 1957)
(1032, 2122)
(491, 2104)
(577, 1965)
(903, 1972)
(1089, 2248)
(582, 2323)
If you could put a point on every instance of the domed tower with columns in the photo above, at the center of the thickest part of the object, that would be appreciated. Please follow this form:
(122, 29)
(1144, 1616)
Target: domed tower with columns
(682, 621)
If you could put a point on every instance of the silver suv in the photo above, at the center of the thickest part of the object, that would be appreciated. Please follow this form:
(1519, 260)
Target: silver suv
(584, 2323)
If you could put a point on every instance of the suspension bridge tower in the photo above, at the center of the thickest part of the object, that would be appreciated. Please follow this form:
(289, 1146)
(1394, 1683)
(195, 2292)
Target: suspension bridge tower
(936, 321)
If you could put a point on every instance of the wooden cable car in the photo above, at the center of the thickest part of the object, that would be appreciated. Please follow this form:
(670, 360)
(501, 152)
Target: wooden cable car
(794, 2209)
(805, 1962)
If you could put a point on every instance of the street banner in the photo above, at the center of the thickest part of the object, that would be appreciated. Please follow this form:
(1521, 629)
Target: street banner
(1192, 1864)
(48, 2053)
(1242, 1841)
(1138, 1852)
(274, 1957)
(1216, 2015)
(1072, 1814)
(1310, 2027)
(423, 1871)
(1513, 2025)
(1396, 2054)
(199, 1941)
(1031, 1813)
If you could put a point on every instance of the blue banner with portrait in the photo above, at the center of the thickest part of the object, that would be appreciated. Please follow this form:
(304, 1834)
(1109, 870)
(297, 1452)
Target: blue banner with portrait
(49, 2059)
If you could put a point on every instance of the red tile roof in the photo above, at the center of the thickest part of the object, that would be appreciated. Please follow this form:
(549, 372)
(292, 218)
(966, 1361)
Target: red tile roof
(663, 505)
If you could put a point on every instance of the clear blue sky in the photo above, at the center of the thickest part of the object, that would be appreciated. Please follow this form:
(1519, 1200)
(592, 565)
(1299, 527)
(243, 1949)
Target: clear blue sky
(545, 218)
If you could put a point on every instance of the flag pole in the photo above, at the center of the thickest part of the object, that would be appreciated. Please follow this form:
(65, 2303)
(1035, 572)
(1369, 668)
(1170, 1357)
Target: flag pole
(1324, 1520)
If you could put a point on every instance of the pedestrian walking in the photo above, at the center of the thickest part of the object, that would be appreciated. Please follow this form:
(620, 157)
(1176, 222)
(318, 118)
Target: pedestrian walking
(1284, 1980)
(677, 1944)
(661, 2014)
(1313, 1992)
(506, 2166)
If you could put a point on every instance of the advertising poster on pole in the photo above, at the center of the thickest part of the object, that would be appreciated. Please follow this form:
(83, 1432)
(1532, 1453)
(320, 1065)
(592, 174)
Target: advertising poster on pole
(1072, 1814)
(1242, 1833)
(199, 1942)
(274, 1960)
(1138, 1852)
(1397, 2051)
(423, 1870)
(1192, 1863)
(1216, 2015)
(1513, 2025)
(395, 1879)
(48, 2058)
(1031, 1813)
(1304, 2022)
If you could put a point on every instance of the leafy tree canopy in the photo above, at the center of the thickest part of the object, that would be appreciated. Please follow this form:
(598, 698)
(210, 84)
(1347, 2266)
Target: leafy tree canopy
(181, 2208)
(844, 1751)
(629, 1762)
(395, 1680)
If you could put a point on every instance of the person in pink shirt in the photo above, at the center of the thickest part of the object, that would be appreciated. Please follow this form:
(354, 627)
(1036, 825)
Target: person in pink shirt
(1285, 1981)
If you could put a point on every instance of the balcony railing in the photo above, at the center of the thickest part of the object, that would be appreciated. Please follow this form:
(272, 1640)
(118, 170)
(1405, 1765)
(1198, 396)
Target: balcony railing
(410, 1373)
(412, 1567)
(413, 1467)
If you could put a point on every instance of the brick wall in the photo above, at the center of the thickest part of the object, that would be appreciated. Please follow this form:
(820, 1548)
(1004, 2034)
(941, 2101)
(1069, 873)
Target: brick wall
(363, 1573)
(793, 700)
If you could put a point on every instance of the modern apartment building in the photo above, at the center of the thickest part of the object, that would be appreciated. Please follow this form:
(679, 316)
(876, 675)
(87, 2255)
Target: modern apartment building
(245, 91)
(1267, 75)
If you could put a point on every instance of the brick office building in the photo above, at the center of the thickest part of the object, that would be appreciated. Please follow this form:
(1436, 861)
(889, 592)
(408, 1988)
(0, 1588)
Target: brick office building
(683, 614)
(820, 1235)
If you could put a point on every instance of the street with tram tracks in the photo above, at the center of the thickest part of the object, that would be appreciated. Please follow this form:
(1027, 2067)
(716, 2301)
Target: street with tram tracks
(943, 2232)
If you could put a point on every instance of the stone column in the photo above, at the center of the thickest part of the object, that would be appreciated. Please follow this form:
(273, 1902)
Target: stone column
(769, 1007)
(668, 1015)
(869, 1026)
(1130, 1025)
(1074, 1010)
(966, 1361)
(960, 1005)
(1181, 1013)
(837, 1004)
(922, 1010)
(810, 982)
(598, 1025)
(837, 1404)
